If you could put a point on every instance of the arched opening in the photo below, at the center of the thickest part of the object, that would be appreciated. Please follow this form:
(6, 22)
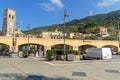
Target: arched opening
(36, 49)
(84, 47)
(114, 49)
(61, 46)
(4, 49)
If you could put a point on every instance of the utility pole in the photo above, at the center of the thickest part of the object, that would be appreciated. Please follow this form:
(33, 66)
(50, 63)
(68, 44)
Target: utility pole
(119, 34)
(28, 27)
(13, 36)
(65, 15)
(13, 40)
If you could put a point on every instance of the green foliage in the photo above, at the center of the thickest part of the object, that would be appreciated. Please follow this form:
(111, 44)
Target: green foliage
(88, 28)
(85, 25)
(51, 54)
(90, 25)
(72, 52)
(25, 53)
(110, 38)
(75, 29)
(58, 47)
(76, 52)
(91, 37)
(4, 47)
(32, 49)
(61, 52)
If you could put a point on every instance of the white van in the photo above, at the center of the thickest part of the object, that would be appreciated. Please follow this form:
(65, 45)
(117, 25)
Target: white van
(98, 53)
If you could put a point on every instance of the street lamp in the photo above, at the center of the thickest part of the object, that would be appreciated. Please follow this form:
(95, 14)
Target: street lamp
(65, 15)
(13, 40)
(119, 34)
(28, 27)
(13, 36)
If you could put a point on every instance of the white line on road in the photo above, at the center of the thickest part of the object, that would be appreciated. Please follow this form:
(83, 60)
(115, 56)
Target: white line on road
(49, 63)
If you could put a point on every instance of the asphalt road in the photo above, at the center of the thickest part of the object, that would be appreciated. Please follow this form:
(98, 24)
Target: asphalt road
(35, 69)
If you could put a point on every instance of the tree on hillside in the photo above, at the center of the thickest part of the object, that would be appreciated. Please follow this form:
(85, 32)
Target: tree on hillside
(74, 29)
(88, 28)
(91, 37)
(110, 38)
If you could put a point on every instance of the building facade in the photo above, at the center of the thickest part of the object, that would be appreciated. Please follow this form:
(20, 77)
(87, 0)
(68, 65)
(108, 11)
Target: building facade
(52, 34)
(102, 31)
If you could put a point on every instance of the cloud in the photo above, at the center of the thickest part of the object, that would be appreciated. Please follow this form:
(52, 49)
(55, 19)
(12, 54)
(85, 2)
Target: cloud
(58, 3)
(90, 13)
(47, 6)
(51, 5)
(106, 3)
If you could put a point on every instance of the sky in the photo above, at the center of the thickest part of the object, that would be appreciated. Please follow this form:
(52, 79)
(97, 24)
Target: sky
(40, 13)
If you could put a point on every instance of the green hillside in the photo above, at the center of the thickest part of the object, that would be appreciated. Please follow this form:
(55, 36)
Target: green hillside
(108, 20)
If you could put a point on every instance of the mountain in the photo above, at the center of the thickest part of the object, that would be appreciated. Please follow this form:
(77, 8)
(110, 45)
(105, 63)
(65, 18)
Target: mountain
(109, 19)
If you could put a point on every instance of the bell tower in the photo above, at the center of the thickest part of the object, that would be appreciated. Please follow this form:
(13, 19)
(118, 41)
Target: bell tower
(9, 22)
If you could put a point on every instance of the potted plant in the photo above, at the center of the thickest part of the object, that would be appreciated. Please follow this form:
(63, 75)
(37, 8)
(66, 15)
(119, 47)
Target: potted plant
(70, 55)
(51, 54)
(60, 54)
(32, 51)
(25, 53)
(77, 55)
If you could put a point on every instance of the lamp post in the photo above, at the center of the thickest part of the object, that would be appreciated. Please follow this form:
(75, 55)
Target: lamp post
(118, 32)
(13, 36)
(65, 15)
(13, 41)
(119, 35)
(28, 27)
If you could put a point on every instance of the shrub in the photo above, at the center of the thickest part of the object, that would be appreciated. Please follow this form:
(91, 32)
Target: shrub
(61, 52)
(110, 38)
(25, 53)
(32, 49)
(51, 54)
(77, 52)
(4, 47)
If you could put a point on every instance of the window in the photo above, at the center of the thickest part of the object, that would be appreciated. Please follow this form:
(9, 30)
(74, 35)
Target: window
(9, 16)
(12, 17)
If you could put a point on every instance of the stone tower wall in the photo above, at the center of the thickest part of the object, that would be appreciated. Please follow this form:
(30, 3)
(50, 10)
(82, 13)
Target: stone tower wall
(9, 22)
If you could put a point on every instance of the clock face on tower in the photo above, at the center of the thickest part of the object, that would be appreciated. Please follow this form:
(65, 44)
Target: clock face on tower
(10, 23)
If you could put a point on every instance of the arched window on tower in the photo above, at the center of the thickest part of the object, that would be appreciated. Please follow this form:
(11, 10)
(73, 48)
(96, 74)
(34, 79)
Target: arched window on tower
(9, 16)
(12, 17)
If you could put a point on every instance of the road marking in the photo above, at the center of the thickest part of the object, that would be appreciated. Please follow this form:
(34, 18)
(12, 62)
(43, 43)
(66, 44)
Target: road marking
(35, 58)
(49, 63)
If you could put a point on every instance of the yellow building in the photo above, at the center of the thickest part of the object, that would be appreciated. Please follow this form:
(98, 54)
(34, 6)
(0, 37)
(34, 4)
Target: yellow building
(52, 34)
(102, 31)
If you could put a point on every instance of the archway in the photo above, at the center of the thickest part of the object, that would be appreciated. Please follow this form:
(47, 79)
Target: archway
(36, 49)
(113, 48)
(84, 47)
